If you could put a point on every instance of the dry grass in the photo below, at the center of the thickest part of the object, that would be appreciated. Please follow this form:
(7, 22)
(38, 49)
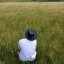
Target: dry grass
(47, 18)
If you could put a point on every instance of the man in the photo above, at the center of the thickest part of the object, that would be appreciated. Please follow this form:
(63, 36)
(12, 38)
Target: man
(27, 46)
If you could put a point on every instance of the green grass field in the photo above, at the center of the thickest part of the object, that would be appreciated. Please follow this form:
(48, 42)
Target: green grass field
(47, 18)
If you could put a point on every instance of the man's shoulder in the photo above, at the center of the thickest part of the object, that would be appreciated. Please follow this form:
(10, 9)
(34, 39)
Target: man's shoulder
(21, 40)
(35, 40)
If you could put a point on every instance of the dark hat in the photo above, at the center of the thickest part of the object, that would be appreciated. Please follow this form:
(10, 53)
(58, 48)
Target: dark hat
(30, 34)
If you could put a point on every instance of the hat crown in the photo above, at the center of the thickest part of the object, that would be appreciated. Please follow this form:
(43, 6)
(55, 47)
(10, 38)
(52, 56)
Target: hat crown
(30, 33)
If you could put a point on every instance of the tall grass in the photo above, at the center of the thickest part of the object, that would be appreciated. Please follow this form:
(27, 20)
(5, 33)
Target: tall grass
(15, 0)
(46, 18)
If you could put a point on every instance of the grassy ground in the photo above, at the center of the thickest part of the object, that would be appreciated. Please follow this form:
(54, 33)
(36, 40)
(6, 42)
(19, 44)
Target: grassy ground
(47, 18)
(15, 0)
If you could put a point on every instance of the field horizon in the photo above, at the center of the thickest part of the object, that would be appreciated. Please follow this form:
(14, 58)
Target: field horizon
(47, 18)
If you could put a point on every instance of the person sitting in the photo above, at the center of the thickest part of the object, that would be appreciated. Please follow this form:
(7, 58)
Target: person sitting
(27, 46)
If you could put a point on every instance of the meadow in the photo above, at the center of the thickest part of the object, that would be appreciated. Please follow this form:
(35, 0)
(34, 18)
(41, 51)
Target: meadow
(47, 18)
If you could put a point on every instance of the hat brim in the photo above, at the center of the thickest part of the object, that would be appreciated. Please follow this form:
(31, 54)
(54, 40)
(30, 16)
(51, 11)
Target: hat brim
(31, 38)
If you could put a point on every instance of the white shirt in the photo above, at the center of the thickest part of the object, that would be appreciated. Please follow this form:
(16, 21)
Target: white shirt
(27, 49)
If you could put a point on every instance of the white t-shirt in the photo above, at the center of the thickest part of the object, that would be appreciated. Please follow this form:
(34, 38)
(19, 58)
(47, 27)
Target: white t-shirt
(27, 49)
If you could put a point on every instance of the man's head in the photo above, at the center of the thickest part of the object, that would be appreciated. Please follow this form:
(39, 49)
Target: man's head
(30, 34)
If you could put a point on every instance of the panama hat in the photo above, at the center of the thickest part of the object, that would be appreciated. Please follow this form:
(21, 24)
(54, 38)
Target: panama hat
(30, 34)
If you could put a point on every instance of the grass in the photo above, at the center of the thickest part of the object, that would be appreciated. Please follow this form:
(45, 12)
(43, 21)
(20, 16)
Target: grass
(15, 0)
(47, 18)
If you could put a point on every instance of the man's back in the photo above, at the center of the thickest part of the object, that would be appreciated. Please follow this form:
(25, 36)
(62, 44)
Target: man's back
(27, 49)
